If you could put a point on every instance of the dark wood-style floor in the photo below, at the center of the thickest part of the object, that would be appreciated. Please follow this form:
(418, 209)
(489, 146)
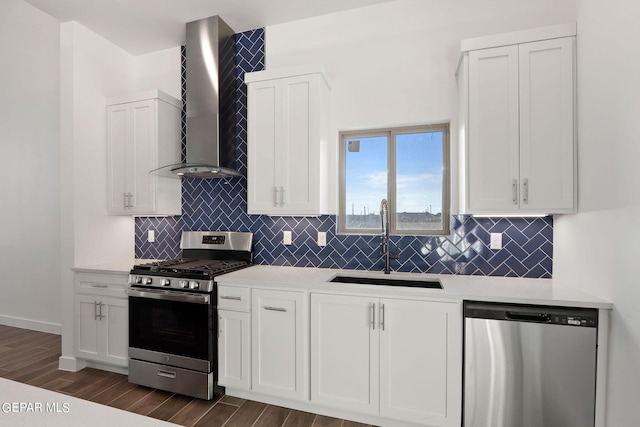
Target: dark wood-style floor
(31, 357)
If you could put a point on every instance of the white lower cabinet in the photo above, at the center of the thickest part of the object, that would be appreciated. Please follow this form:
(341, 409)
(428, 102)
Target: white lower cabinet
(278, 343)
(344, 356)
(373, 359)
(102, 319)
(400, 359)
(234, 337)
(233, 349)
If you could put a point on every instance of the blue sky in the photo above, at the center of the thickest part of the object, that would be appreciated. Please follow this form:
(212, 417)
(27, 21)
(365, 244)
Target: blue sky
(419, 173)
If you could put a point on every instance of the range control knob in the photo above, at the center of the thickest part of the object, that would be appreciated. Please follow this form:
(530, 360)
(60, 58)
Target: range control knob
(194, 285)
(132, 280)
(147, 280)
(183, 284)
(165, 282)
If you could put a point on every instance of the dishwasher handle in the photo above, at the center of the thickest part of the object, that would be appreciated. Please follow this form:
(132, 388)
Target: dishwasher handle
(551, 315)
(528, 317)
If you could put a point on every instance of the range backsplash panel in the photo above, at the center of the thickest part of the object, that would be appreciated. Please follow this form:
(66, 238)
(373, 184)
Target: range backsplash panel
(221, 204)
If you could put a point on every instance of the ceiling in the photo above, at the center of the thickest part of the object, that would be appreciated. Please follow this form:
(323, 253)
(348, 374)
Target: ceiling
(143, 26)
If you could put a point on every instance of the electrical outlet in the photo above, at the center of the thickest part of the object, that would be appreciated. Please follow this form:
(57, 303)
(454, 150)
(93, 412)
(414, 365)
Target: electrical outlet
(151, 236)
(496, 241)
(286, 237)
(322, 238)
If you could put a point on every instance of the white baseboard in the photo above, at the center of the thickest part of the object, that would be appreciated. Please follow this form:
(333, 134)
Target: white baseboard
(107, 367)
(34, 325)
(71, 364)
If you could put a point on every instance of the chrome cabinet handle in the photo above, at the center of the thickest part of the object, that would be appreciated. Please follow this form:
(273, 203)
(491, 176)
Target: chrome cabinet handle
(525, 191)
(514, 189)
(281, 196)
(283, 310)
(231, 297)
(275, 196)
(382, 316)
(97, 311)
(373, 316)
(99, 285)
(166, 374)
(128, 203)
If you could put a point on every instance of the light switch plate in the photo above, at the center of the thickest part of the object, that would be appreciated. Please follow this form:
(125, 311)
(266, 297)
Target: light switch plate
(322, 238)
(286, 237)
(151, 236)
(496, 241)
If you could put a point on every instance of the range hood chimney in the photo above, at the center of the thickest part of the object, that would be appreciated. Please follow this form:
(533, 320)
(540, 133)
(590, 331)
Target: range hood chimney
(211, 116)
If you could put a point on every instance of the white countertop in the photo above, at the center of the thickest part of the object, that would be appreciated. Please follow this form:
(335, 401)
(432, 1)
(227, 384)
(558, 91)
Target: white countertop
(454, 287)
(482, 288)
(116, 267)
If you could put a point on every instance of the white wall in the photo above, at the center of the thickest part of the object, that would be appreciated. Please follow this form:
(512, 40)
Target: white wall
(394, 64)
(92, 70)
(597, 249)
(30, 190)
(159, 70)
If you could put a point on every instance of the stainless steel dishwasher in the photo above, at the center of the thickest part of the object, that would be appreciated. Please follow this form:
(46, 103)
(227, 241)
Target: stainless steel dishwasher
(529, 366)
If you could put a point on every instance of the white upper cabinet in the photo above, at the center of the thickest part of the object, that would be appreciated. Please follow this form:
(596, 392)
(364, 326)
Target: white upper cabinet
(517, 124)
(143, 133)
(287, 142)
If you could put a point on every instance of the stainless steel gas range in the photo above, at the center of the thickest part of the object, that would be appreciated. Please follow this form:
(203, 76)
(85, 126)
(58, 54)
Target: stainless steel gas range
(173, 313)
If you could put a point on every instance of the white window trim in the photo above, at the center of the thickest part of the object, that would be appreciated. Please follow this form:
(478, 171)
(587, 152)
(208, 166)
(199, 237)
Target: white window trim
(391, 178)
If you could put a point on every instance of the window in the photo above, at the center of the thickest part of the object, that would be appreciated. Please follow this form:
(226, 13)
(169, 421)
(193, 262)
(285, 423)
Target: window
(408, 166)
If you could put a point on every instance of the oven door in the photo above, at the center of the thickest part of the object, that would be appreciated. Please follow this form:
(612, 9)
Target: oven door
(172, 328)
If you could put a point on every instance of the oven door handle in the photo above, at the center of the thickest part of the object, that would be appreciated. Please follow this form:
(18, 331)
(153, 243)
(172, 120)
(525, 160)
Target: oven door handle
(169, 295)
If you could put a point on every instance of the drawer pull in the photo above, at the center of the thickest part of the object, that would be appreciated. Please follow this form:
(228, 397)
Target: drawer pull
(284, 310)
(98, 285)
(231, 298)
(167, 374)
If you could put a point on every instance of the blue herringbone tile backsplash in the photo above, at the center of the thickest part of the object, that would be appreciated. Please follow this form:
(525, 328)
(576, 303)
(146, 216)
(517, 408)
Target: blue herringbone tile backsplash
(221, 204)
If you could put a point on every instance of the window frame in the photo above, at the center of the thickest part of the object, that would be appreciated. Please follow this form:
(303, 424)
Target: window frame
(391, 133)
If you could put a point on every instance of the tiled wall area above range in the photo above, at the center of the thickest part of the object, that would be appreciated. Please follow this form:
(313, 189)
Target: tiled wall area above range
(220, 204)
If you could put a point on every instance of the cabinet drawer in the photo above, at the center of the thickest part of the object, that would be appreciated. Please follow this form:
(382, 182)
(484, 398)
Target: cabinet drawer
(233, 298)
(101, 284)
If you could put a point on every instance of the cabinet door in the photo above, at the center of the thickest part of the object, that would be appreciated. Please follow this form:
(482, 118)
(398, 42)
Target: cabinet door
(142, 135)
(344, 352)
(546, 126)
(264, 139)
(493, 140)
(87, 327)
(143, 131)
(119, 158)
(278, 356)
(299, 152)
(114, 323)
(234, 349)
(420, 361)
(102, 329)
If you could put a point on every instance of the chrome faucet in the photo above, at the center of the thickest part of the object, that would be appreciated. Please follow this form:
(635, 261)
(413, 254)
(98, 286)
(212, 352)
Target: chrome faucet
(386, 242)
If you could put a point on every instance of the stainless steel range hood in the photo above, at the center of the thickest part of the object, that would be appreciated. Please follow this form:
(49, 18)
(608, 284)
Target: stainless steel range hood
(211, 116)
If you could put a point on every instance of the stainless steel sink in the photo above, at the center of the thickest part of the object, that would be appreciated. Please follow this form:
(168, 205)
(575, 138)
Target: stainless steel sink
(430, 284)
